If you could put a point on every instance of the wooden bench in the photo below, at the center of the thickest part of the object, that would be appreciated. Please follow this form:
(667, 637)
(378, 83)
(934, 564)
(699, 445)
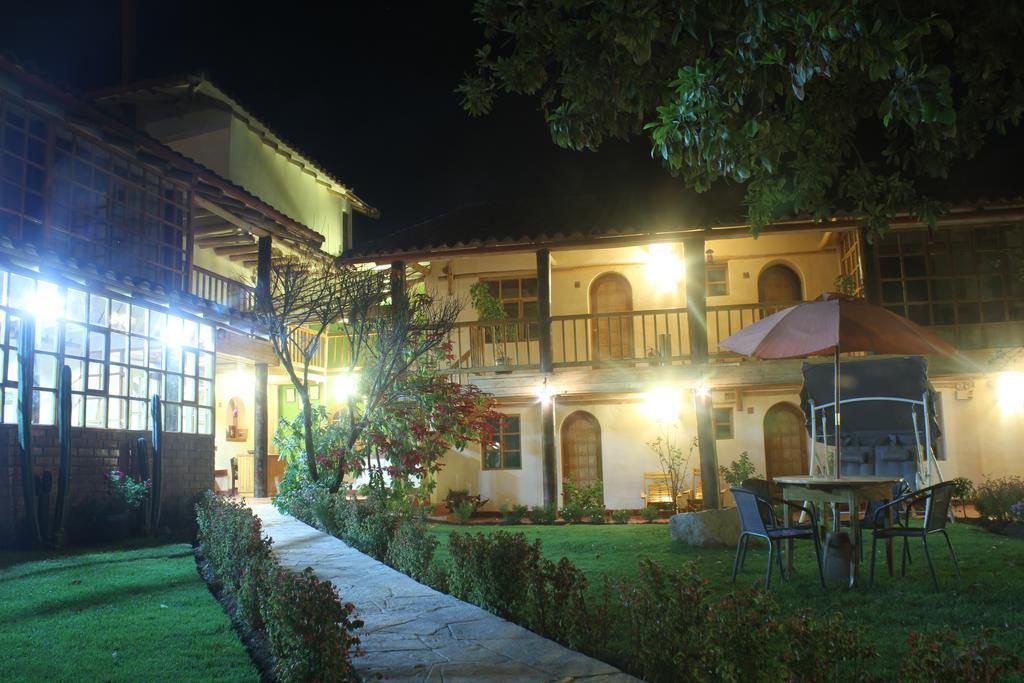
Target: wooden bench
(658, 491)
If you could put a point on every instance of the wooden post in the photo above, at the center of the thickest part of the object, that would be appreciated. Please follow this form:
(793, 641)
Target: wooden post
(544, 310)
(547, 438)
(399, 298)
(26, 357)
(869, 263)
(260, 433)
(696, 325)
(263, 257)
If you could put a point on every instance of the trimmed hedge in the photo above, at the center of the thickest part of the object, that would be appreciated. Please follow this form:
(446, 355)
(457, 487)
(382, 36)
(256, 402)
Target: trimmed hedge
(309, 628)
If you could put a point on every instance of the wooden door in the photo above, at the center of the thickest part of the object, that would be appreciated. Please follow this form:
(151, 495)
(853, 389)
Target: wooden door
(611, 336)
(778, 284)
(581, 448)
(785, 441)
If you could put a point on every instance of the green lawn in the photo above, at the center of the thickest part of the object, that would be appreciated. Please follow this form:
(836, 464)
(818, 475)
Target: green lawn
(991, 593)
(125, 614)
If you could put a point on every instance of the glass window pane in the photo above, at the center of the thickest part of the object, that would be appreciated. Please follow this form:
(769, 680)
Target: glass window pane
(118, 348)
(156, 354)
(74, 340)
(188, 419)
(3, 287)
(99, 313)
(492, 459)
(44, 371)
(173, 358)
(190, 363)
(76, 305)
(96, 372)
(117, 414)
(205, 421)
(77, 410)
(46, 335)
(138, 383)
(138, 413)
(206, 337)
(12, 366)
(205, 392)
(190, 333)
(157, 322)
(206, 365)
(174, 335)
(513, 460)
(156, 384)
(172, 388)
(22, 291)
(189, 389)
(77, 373)
(140, 319)
(95, 411)
(44, 406)
(119, 317)
(97, 345)
(13, 331)
(10, 405)
(529, 287)
(172, 417)
(118, 385)
(138, 351)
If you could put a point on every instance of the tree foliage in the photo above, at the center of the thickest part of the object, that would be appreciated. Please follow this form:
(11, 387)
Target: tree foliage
(820, 108)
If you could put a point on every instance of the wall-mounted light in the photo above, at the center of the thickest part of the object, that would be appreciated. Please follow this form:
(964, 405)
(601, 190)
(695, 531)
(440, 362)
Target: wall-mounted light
(345, 385)
(1010, 392)
(702, 391)
(709, 256)
(174, 333)
(664, 267)
(545, 392)
(46, 302)
(664, 404)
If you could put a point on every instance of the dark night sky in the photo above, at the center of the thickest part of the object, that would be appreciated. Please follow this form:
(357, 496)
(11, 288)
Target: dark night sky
(366, 89)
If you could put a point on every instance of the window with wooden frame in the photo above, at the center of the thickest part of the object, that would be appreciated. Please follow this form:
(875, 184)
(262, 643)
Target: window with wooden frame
(120, 354)
(504, 452)
(954, 277)
(518, 296)
(84, 199)
(721, 420)
(716, 279)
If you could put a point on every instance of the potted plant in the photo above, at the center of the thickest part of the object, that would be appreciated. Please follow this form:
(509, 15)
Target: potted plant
(490, 309)
(127, 496)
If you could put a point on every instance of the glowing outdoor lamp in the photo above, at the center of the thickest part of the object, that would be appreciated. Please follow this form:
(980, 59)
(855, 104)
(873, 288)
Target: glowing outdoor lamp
(664, 267)
(546, 392)
(1010, 391)
(46, 303)
(702, 391)
(174, 332)
(664, 404)
(345, 385)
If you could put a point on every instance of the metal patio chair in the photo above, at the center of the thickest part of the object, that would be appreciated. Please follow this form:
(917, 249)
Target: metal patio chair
(757, 518)
(900, 490)
(937, 500)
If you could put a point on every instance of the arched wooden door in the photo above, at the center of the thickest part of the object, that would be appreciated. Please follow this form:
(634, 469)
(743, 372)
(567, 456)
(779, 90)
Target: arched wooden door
(785, 441)
(611, 336)
(779, 284)
(581, 448)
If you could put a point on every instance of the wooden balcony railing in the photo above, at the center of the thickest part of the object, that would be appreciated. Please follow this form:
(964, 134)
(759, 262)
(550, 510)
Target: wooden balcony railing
(222, 290)
(303, 337)
(655, 336)
(495, 346)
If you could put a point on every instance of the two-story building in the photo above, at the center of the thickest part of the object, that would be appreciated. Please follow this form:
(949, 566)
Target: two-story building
(615, 324)
(134, 224)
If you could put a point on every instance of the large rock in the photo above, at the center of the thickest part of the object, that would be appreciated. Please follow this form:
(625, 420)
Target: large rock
(706, 528)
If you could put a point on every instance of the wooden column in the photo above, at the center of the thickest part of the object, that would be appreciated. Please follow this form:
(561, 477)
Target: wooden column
(398, 294)
(547, 438)
(696, 325)
(260, 433)
(263, 257)
(544, 310)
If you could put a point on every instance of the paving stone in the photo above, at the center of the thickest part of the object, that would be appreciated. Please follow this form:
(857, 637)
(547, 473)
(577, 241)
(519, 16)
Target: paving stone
(414, 633)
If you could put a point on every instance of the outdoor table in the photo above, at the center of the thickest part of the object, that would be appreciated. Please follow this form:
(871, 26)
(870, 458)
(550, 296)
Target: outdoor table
(852, 491)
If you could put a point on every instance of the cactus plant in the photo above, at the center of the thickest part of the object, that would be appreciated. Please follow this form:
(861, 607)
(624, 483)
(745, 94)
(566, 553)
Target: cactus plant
(64, 472)
(156, 425)
(26, 342)
(142, 461)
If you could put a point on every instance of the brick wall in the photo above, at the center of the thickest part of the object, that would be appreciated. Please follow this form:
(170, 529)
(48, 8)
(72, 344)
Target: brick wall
(188, 471)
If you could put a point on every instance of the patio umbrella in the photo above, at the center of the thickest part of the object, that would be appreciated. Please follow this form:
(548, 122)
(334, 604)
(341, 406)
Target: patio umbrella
(830, 324)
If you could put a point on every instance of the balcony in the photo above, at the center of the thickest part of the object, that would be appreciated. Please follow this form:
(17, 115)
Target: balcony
(219, 289)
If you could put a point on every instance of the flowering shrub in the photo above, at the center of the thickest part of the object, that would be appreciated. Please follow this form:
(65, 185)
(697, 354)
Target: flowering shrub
(513, 514)
(310, 629)
(995, 498)
(944, 656)
(127, 491)
(546, 514)
(411, 550)
(621, 516)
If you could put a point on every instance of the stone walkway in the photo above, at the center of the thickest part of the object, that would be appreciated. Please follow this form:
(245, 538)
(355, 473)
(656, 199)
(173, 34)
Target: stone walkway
(414, 633)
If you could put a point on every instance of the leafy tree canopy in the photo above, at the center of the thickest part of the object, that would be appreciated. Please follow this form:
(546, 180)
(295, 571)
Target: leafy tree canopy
(821, 107)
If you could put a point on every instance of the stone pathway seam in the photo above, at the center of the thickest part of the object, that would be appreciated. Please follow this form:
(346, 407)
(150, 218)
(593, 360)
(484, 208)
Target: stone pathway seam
(421, 644)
